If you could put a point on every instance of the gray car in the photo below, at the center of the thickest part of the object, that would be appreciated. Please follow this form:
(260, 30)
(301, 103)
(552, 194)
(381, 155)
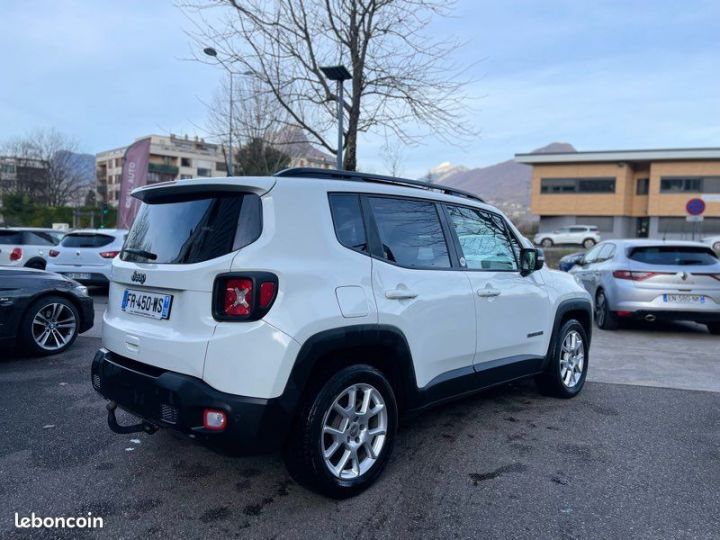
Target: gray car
(651, 280)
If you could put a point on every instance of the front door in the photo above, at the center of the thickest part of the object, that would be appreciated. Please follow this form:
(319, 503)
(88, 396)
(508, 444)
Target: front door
(512, 311)
(643, 227)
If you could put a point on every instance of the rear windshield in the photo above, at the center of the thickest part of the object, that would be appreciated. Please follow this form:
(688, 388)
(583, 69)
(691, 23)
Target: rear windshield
(673, 255)
(188, 229)
(86, 240)
(10, 237)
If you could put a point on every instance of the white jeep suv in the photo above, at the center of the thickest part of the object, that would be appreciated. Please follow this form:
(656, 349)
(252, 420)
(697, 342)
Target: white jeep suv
(581, 235)
(310, 310)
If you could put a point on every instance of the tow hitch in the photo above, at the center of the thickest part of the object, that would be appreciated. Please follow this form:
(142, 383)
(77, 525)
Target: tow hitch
(143, 426)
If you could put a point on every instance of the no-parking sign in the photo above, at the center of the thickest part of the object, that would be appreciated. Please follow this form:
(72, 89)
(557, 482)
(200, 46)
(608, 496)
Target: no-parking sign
(695, 207)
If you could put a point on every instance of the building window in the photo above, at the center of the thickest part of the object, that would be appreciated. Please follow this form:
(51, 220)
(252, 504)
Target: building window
(221, 166)
(690, 184)
(577, 185)
(204, 172)
(679, 225)
(185, 162)
(603, 223)
(642, 187)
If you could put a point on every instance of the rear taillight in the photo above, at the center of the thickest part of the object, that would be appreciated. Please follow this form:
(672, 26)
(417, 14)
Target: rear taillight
(109, 254)
(214, 420)
(53, 253)
(637, 276)
(244, 297)
(16, 254)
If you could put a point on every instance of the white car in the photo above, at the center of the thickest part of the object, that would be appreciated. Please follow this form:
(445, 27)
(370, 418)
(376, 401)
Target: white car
(309, 310)
(27, 246)
(581, 235)
(713, 241)
(86, 255)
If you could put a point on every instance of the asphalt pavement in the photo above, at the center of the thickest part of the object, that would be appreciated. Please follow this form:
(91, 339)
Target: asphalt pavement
(619, 460)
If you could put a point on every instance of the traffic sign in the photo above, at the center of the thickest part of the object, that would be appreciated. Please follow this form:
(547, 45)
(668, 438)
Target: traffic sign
(695, 207)
(694, 219)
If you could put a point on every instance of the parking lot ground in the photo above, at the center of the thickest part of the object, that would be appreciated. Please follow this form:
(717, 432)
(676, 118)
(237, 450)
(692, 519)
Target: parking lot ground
(619, 460)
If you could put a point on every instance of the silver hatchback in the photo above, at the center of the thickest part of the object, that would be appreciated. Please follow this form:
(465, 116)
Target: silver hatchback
(652, 279)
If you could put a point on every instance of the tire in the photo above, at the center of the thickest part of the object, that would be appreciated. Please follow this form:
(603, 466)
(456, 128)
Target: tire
(716, 247)
(588, 243)
(568, 361)
(604, 318)
(58, 337)
(713, 328)
(38, 264)
(546, 242)
(320, 426)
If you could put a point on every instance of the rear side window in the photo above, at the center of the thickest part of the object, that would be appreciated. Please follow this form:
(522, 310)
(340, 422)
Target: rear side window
(348, 220)
(87, 240)
(410, 233)
(673, 255)
(186, 229)
(10, 237)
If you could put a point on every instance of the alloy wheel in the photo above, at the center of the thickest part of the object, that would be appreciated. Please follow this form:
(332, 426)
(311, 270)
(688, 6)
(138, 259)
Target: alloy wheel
(572, 359)
(354, 430)
(53, 326)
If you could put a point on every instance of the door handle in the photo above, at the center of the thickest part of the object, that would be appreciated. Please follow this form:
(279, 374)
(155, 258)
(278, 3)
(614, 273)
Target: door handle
(488, 293)
(400, 294)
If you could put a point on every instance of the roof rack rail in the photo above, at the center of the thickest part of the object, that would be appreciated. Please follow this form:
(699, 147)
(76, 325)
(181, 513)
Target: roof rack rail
(334, 174)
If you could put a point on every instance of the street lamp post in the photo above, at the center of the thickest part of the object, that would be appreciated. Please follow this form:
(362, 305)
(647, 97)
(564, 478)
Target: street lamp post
(210, 51)
(339, 74)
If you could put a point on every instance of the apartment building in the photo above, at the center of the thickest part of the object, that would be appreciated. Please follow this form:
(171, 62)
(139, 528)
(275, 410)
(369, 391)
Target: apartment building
(626, 193)
(171, 158)
(22, 175)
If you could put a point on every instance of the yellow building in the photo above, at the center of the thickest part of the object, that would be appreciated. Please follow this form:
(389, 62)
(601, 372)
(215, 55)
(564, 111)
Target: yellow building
(626, 193)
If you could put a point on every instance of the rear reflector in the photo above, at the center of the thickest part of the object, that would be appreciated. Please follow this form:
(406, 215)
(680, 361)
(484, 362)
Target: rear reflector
(214, 420)
(16, 254)
(53, 253)
(109, 254)
(267, 293)
(623, 313)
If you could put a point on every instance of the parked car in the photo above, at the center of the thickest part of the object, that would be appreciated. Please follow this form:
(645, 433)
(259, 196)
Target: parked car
(26, 246)
(236, 319)
(568, 261)
(86, 256)
(42, 312)
(582, 235)
(651, 280)
(713, 241)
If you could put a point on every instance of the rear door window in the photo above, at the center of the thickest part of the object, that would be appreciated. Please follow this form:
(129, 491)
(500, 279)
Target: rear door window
(348, 221)
(10, 237)
(191, 228)
(673, 255)
(410, 232)
(86, 240)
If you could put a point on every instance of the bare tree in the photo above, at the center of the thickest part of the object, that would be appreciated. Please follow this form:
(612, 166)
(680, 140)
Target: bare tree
(392, 154)
(401, 76)
(62, 182)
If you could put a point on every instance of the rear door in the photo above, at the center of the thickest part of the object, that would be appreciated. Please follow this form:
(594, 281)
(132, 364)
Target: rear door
(512, 311)
(160, 301)
(418, 291)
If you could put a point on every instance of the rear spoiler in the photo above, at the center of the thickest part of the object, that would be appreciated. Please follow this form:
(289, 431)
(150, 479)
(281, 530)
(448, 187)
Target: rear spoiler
(253, 184)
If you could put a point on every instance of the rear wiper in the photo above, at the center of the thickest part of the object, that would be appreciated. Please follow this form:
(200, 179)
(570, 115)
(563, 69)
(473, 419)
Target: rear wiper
(143, 253)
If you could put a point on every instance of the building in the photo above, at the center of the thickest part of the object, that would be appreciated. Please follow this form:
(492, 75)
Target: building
(22, 175)
(171, 158)
(292, 141)
(626, 193)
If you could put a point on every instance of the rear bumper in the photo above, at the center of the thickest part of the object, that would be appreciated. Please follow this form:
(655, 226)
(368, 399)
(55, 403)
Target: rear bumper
(172, 400)
(676, 315)
(99, 275)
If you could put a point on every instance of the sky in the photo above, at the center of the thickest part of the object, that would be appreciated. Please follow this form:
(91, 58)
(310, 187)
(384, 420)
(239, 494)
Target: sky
(597, 74)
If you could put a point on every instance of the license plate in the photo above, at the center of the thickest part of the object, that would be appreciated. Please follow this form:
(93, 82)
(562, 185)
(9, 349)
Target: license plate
(78, 275)
(683, 298)
(147, 304)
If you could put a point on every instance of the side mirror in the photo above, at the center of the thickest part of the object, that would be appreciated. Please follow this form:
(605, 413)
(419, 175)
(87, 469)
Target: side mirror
(528, 261)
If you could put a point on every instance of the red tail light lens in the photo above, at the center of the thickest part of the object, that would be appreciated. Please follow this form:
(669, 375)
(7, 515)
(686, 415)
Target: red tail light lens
(109, 254)
(244, 297)
(214, 420)
(16, 254)
(637, 276)
(238, 297)
(53, 253)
